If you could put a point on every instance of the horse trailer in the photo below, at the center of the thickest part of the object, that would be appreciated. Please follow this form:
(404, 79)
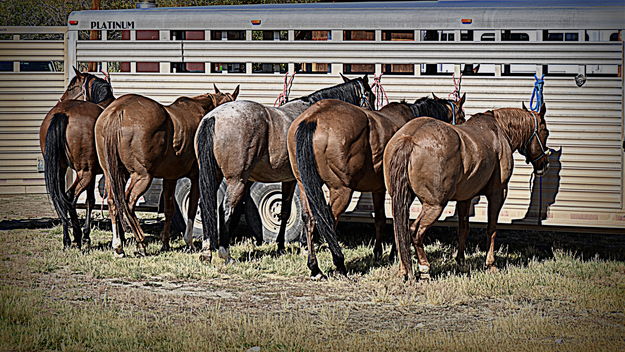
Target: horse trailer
(418, 48)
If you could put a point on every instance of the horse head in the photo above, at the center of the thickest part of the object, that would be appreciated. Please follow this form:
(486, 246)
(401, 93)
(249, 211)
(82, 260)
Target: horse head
(535, 149)
(456, 110)
(85, 86)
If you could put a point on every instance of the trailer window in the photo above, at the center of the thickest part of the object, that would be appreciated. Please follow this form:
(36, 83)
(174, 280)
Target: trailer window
(37, 66)
(263, 67)
(560, 36)
(519, 70)
(466, 35)
(509, 35)
(148, 67)
(487, 37)
(437, 69)
(433, 35)
(358, 68)
(6, 66)
(359, 35)
(186, 35)
(270, 35)
(603, 70)
(227, 35)
(397, 35)
(313, 68)
(118, 66)
(187, 67)
(147, 35)
(227, 67)
(118, 35)
(398, 69)
(313, 35)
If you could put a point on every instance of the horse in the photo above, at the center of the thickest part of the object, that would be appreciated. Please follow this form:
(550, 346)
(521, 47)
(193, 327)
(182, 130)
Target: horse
(245, 140)
(438, 162)
(66, 140)
(138, 138)
(341, 146)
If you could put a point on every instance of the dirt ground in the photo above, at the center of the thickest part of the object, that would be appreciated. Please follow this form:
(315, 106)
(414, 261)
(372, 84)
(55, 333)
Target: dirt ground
(372, 301)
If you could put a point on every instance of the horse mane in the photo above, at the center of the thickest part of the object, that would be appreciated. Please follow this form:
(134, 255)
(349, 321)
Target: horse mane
(101, 90)
(436, 108)
(515, 123)
(344, 91)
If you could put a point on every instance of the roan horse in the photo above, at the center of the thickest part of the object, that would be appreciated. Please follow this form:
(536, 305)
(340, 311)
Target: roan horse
(140, 138)
(437, 162)
(341, 146)
(66, 139)
(245, 140)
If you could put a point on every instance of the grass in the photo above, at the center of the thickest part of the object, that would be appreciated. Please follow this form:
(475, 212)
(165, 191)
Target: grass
(66, 300)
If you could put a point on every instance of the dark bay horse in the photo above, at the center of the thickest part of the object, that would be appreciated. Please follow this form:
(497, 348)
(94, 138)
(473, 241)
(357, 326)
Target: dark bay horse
(245, 140)
(438, 162)
(341, 146)
(66, 140)
(139, 138)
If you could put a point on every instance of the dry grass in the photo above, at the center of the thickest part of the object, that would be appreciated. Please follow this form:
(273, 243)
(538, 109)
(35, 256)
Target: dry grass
(51, 299)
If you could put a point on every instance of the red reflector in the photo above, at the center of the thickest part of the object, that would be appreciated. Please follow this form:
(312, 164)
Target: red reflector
(255, 22)
(73, 22)
(467, 21)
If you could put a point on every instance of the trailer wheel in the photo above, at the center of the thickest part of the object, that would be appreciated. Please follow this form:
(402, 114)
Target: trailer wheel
(262, 213)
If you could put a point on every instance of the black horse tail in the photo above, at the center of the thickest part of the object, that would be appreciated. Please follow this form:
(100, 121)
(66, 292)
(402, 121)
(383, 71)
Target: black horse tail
(56, 155)
(115, 172)
(312, 182)
(402, 197)
(209, 179)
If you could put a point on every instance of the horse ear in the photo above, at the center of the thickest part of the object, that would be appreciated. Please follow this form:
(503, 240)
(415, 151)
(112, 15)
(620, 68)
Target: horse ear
(345, 79)
(76, 71)
(365, 79)
(523, 105)
(435, 97)
(235, 94)
(217, 91)
(543, 111)
(462, 100)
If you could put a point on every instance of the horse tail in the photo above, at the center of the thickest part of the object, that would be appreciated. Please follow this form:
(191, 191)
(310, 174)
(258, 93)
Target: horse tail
(209, 179)
(55, 155)
(115, 171)
(401, 196)
(312, 182)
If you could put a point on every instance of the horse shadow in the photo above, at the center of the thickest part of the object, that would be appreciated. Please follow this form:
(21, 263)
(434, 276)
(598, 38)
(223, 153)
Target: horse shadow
(544, 192)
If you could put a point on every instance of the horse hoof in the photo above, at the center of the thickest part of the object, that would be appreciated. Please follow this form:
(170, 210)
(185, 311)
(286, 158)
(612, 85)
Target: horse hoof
(140, 252)
(492, 268)
(281, 251)
(189, 249)
(377, 255)
(424, 277)
(165, 248)
(318, 277)
(119, 254)
(342, 270)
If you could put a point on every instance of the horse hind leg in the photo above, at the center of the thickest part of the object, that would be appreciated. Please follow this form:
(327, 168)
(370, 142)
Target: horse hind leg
(235, 191)
(429, 214)
(288, 188)
(463, 229)
(169, 186)
(139, 183)
(380, 220)
(72, 193)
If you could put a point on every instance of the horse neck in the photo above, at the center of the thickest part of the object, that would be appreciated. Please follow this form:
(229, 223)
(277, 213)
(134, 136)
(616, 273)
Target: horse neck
(293, 108)
(516, 124)
(397, 113)
(106, 102)
(347, 92)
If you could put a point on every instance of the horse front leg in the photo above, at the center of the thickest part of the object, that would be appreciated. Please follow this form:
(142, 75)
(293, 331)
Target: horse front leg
(288, 188)
(194, 196)
(463, 229)
(380, 220)
(86, 229)
(495, 202)
(169, 186)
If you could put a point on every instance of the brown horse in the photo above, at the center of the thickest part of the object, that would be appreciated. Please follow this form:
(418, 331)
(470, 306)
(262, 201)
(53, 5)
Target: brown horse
(245, 140)
(341, 146)
(437, 162)
(139, 138)
(66, 140)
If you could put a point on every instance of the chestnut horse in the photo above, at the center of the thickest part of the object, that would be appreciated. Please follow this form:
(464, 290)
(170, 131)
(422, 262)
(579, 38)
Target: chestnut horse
(66, 140)
(139, 138)
(245, 140)
(341, 146)
(438, 162)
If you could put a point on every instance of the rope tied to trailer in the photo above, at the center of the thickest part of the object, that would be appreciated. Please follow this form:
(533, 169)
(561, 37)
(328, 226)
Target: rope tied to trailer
(455, 94)
(283, 97)
(537, 93)
(381, 98)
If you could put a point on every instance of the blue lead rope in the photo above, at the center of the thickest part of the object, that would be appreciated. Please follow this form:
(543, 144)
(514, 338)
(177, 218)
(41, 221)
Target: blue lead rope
(537, 93)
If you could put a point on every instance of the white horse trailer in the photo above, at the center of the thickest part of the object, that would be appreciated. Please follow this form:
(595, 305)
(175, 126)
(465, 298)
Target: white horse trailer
(417, 46)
